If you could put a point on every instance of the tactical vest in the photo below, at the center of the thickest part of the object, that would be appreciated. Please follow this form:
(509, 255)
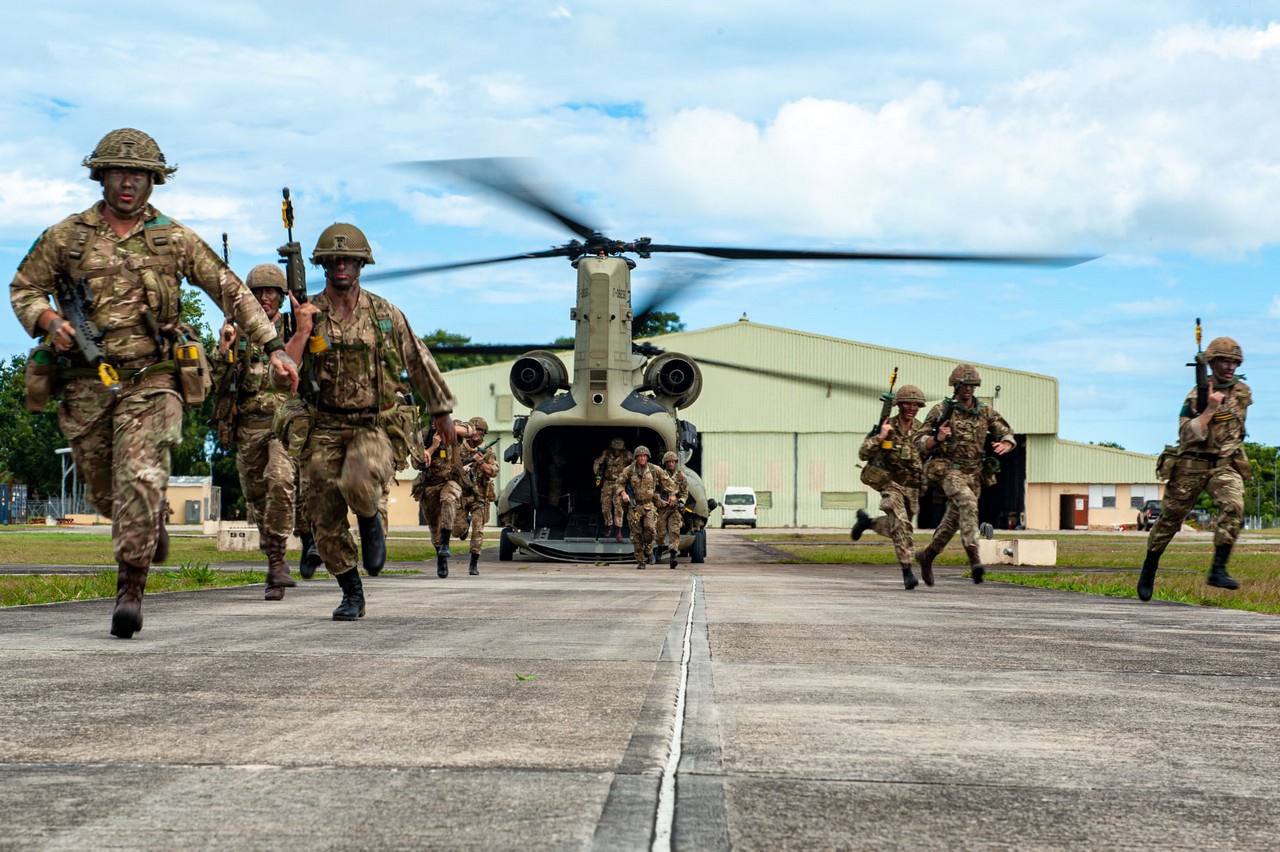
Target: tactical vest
(384, 362)
(156, 272)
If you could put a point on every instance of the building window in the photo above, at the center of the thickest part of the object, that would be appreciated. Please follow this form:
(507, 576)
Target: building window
(504, 409)
(844, 499)
(1102, 496)
(764, 499)
(1141, 493)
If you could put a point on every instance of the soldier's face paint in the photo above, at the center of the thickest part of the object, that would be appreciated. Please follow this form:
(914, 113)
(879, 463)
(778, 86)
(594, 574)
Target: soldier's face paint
(1224, 369)
(964, 393)
(269, 300)
(908, 409)
(126, 191)
(342, 273)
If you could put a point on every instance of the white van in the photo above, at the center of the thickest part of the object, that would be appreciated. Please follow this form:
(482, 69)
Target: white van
(739, 506)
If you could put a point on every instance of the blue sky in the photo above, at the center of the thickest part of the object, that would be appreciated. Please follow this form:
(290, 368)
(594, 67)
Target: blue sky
(1146, 134)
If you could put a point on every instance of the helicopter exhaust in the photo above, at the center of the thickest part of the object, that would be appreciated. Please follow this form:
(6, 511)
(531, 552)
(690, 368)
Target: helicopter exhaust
(675, 378)
(536, 377)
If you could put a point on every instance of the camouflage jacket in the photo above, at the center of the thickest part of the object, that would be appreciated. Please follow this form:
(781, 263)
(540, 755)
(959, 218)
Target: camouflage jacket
(362, 368)
(972, 432)
(1226, 429)
(130, 277)
(903, 459)
(256, 395)
(646, 484)
(609, 464)
(477, 484)
(681, 490)
(443, 464)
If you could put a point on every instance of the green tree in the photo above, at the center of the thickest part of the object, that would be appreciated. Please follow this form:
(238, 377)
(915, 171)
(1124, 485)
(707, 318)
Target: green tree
(28, 440)
(451, 361)
(1112, 444)
(655, 323)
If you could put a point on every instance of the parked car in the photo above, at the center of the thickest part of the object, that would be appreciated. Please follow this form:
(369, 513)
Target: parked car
(1148, 514)
(739, 506)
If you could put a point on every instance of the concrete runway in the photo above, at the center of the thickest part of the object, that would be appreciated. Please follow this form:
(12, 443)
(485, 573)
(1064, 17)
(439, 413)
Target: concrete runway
(534, 707)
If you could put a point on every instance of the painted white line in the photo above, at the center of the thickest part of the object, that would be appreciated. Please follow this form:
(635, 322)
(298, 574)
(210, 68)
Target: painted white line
(666, 814)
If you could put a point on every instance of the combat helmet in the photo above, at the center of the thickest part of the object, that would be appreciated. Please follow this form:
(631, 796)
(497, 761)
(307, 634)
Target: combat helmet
(480, 424)
(669, 456)
(1224, 347)
(909, 393)
(342, 240)
(641, 450)
(965, 374)
(617, 444)
(127, 148)
(267, 276)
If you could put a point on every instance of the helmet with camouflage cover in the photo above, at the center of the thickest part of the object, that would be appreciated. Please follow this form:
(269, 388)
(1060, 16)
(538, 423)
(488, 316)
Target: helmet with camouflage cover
(267, 276)
(669, 456)
(342, 240)
(641, 450)
(909, 393)
(127, 148)
(617, 444)
(965, 374)
(479, 424)
(1224, 347)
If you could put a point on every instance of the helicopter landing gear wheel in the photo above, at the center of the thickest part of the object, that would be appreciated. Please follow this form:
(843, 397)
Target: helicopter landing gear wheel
(506, 550)
(698, 553)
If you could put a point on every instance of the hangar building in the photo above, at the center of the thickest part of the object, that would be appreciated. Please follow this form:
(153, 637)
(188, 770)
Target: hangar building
(796, 442)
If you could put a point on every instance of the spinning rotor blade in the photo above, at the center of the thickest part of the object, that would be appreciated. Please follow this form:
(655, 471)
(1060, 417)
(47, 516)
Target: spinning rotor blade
(503, 175)
(802, 254)
(858, 388)
(392, 274)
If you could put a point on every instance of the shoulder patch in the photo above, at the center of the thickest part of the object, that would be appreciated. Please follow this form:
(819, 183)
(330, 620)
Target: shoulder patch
(158, 222)
(1186, 410)
(385, 325)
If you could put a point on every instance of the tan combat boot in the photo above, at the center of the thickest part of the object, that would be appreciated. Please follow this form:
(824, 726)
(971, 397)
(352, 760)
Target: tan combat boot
(278, 578)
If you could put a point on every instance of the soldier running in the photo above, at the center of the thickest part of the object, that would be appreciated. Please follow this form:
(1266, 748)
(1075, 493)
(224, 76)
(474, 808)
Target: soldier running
(480, 465)
(438, 490)
(642, 487)
(1210, 458)
(671, 513)
(607, 467)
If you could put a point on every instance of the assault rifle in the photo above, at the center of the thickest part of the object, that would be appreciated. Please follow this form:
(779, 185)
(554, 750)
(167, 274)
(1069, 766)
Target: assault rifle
(295, 274)
(886, 407)
(75, 303)
(1201, 364)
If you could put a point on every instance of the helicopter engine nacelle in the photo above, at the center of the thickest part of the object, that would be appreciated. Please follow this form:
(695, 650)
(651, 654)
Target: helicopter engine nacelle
(536, 376)
(675, 377)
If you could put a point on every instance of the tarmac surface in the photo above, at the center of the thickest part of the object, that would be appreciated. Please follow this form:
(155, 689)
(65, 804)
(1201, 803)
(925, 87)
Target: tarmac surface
(736, 704)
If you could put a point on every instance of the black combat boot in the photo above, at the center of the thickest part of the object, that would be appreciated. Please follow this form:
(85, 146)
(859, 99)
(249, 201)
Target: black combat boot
(976, 569)
(1147, 579)
(909, 578)
(131, 583)
(925, 559)
(475, 565)
(310, 559)
(278, 578)
(861, 525)
(672, 557)
(442, 555)
(162, 545)
(1218, 575)
(617, 534)
(373, 544)
(352, 606)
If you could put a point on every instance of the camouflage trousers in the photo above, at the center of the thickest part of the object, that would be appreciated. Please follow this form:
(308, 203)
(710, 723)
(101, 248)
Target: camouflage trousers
(899, 505)
(348, 467)
(612, 508)
(269, 479)
(644, 530)
(962, 490)
(1225, 488)
(121, 449)
(441, 505)
(471, 521)
(670, 522)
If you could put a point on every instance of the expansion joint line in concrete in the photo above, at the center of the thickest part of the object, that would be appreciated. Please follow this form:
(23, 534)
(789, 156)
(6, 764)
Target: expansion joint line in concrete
(666, 812)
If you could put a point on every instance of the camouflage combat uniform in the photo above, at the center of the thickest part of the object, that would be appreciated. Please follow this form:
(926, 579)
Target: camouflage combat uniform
(646, 484)
(671, 518)
(359, 423)
(477, 493)
(608, 466)
(268, 473)
(438, 490)
(901, 478)
(121, 444)
(956, 465)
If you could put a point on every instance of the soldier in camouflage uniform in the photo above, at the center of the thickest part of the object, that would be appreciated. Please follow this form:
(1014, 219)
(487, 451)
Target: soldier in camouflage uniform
(894, 469)
(671, 513)
(268, 474)
(132, 259)
(955, 439)
(438, 490)
(641, 486)
(359, 425)
(607, 466)
(480, 465)
(1210, 458)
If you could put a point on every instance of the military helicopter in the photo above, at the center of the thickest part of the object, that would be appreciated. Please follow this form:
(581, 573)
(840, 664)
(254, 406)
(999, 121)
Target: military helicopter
(618, 388)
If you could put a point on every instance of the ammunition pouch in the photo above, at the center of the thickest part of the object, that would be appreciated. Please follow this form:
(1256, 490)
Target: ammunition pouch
(935, 469)
(876, 476)
(292, 425)
(41, 377)
(1166, 462)
(195, 379)
(1240, 461)
(990, 469)
(400, 422)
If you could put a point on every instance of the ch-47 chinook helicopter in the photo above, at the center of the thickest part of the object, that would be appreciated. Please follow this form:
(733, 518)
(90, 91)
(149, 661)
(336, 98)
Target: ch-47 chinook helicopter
(618, 388)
